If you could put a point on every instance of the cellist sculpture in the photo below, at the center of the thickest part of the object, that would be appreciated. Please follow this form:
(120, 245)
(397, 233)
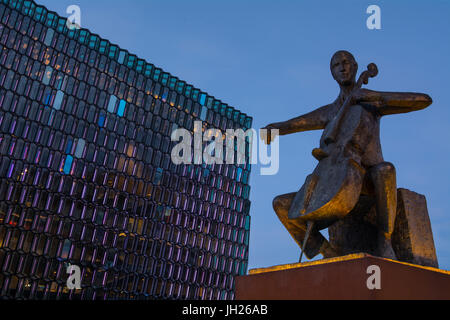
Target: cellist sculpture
(350, 161)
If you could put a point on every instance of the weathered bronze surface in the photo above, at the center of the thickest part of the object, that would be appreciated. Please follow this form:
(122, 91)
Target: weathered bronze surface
(351, 177)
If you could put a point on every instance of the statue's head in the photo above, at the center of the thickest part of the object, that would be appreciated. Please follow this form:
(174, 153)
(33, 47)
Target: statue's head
(343, 67)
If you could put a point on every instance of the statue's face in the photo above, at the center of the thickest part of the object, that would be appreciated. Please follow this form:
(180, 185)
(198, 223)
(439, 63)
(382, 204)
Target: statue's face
(343, 68)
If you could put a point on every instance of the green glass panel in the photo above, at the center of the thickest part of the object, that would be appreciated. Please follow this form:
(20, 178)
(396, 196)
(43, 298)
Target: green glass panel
(40, 14)
(187, 91)
(93, 42)
(131, 61)
(103, 46)
(236, 116)
(209, 101)
(165, 79)
(248, 122)
(247, 223)
(156, 74)
(180, 86)
(28, 8)
(148, 70)
(172, 83)
(195, 94)
(50, 20)
(14, 3)
(242, 119)
(113, 51)
(216, 106)
(61, 25)
(140, 65)
(83, 36)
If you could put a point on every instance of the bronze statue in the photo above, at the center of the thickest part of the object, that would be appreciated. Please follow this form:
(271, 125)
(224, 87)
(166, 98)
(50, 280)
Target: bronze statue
(350, 164)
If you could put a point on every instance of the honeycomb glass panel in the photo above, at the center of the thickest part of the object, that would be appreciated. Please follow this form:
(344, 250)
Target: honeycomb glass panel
(86, 176)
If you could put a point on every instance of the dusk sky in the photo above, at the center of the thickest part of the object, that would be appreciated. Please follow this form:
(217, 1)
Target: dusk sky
(270, 59)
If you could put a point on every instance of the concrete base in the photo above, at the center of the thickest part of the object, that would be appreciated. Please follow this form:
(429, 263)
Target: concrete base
(345, 277)
(412, 239)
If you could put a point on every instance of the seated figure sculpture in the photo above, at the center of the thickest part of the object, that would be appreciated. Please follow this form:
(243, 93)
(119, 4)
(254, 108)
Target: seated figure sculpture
(312, 208)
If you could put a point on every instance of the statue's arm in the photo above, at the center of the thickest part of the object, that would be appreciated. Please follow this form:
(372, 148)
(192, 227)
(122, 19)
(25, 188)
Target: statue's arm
(394, 102)
(313, 120)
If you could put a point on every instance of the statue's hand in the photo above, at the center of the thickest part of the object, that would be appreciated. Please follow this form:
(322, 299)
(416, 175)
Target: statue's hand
(266, 133)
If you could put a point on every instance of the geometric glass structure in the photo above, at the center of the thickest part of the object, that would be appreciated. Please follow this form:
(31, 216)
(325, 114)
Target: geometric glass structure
(86, 176)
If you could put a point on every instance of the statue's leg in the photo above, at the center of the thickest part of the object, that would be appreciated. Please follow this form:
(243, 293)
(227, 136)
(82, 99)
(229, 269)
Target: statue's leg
(385, 187)
(297, 229)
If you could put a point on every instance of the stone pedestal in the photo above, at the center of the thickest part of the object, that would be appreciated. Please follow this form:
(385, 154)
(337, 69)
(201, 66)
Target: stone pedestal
(412, 238)
(345, 277)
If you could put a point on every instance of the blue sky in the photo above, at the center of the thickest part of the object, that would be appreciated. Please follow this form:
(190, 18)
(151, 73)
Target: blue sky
(270, 59)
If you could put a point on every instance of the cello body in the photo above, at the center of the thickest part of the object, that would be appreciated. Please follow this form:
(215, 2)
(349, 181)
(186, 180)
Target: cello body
(332, 190)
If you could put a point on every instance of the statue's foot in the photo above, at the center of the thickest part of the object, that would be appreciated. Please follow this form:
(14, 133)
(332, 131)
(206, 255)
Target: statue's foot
(385, 249)
(319, 153)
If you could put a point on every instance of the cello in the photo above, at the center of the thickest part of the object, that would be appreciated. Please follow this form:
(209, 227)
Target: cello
(332, 190)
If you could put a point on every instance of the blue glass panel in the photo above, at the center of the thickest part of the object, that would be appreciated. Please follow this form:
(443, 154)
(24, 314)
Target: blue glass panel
(68, 164)
(58, 100)
(49, 37)
(59, 81)
(47, 75)
(121, 108)
(248, 122)
(238, 174)
(165, 94)
(203, 113)
(158, 176)
(66, 249)
(80, 148)
(47, 99)
(242, 269)
(112, 103)
(121, 56)
(202, 99)
(50, 119)
(69, 145)
(245, 192)
(101, 120)
(245, 177)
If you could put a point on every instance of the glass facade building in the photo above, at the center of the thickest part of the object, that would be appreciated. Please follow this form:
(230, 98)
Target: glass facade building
(86, 176)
